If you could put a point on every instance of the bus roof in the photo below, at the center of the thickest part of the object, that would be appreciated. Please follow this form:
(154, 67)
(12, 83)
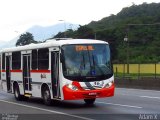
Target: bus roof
(53, 43)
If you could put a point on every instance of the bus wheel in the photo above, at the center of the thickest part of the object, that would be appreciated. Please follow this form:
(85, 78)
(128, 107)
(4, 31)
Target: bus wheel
(17, 93)
(89, 101)
(46, 96)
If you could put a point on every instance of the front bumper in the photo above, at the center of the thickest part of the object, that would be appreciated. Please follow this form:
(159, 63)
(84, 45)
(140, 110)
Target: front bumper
(87, 94)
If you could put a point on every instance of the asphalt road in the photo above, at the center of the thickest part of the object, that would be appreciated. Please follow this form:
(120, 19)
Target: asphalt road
(126, 104)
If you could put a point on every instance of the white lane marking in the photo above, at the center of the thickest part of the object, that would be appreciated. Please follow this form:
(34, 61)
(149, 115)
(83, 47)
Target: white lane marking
(129, 95)
(120, 105)
(150, 97)
(42, 109)
(132, 89)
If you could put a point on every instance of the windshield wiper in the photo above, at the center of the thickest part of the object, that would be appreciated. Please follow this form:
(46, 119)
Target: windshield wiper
(82, 64)
(94, 64)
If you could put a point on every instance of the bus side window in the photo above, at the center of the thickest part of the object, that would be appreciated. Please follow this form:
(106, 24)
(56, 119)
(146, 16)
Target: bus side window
(0, 67)
(34, 59)
(43, 58)
(3, 61)
(16, 60)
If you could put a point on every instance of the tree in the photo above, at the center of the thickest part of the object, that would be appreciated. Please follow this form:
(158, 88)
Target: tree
(59, 35)
(85, 32)
(25, 39)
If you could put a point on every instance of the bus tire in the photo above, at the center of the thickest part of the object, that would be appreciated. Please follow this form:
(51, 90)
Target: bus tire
(46, 96)
(17, 93)
(89, 101)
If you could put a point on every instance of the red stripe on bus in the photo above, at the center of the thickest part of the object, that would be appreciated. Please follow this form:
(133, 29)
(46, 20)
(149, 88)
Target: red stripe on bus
(16, 70)
(40, 71)
(3, 70)
(33, 71)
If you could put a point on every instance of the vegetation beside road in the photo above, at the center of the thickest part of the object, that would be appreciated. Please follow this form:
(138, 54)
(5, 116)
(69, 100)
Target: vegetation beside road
(139, 23)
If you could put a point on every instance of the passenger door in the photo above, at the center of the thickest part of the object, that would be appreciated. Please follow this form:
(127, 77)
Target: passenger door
(26, 73)
(8, 73)
(55, 74)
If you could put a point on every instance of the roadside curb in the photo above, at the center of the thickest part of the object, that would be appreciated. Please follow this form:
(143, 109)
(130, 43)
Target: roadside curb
(145, 83)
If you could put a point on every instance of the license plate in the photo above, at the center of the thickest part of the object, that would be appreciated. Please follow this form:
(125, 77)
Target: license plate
(92, 93)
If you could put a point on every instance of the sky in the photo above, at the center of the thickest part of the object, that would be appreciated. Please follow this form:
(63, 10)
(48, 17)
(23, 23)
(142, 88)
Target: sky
(16, 16)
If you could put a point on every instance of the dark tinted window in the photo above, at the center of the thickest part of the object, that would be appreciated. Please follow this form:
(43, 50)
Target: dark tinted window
(16, 60)
(0, 66)
(3, 61)
(34, 59)
(43, 59)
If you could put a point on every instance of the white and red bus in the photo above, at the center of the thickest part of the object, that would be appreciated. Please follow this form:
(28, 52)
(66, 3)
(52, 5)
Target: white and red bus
(68, 69)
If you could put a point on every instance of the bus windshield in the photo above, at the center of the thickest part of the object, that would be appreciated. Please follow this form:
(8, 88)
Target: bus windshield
(86, 62)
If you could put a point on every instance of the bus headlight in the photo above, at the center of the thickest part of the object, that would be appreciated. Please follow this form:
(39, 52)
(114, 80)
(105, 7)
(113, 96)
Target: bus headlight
(108, 84)
(72, 87)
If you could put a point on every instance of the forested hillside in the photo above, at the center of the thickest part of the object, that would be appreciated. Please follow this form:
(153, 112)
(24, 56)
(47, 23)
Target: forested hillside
(139, 23)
